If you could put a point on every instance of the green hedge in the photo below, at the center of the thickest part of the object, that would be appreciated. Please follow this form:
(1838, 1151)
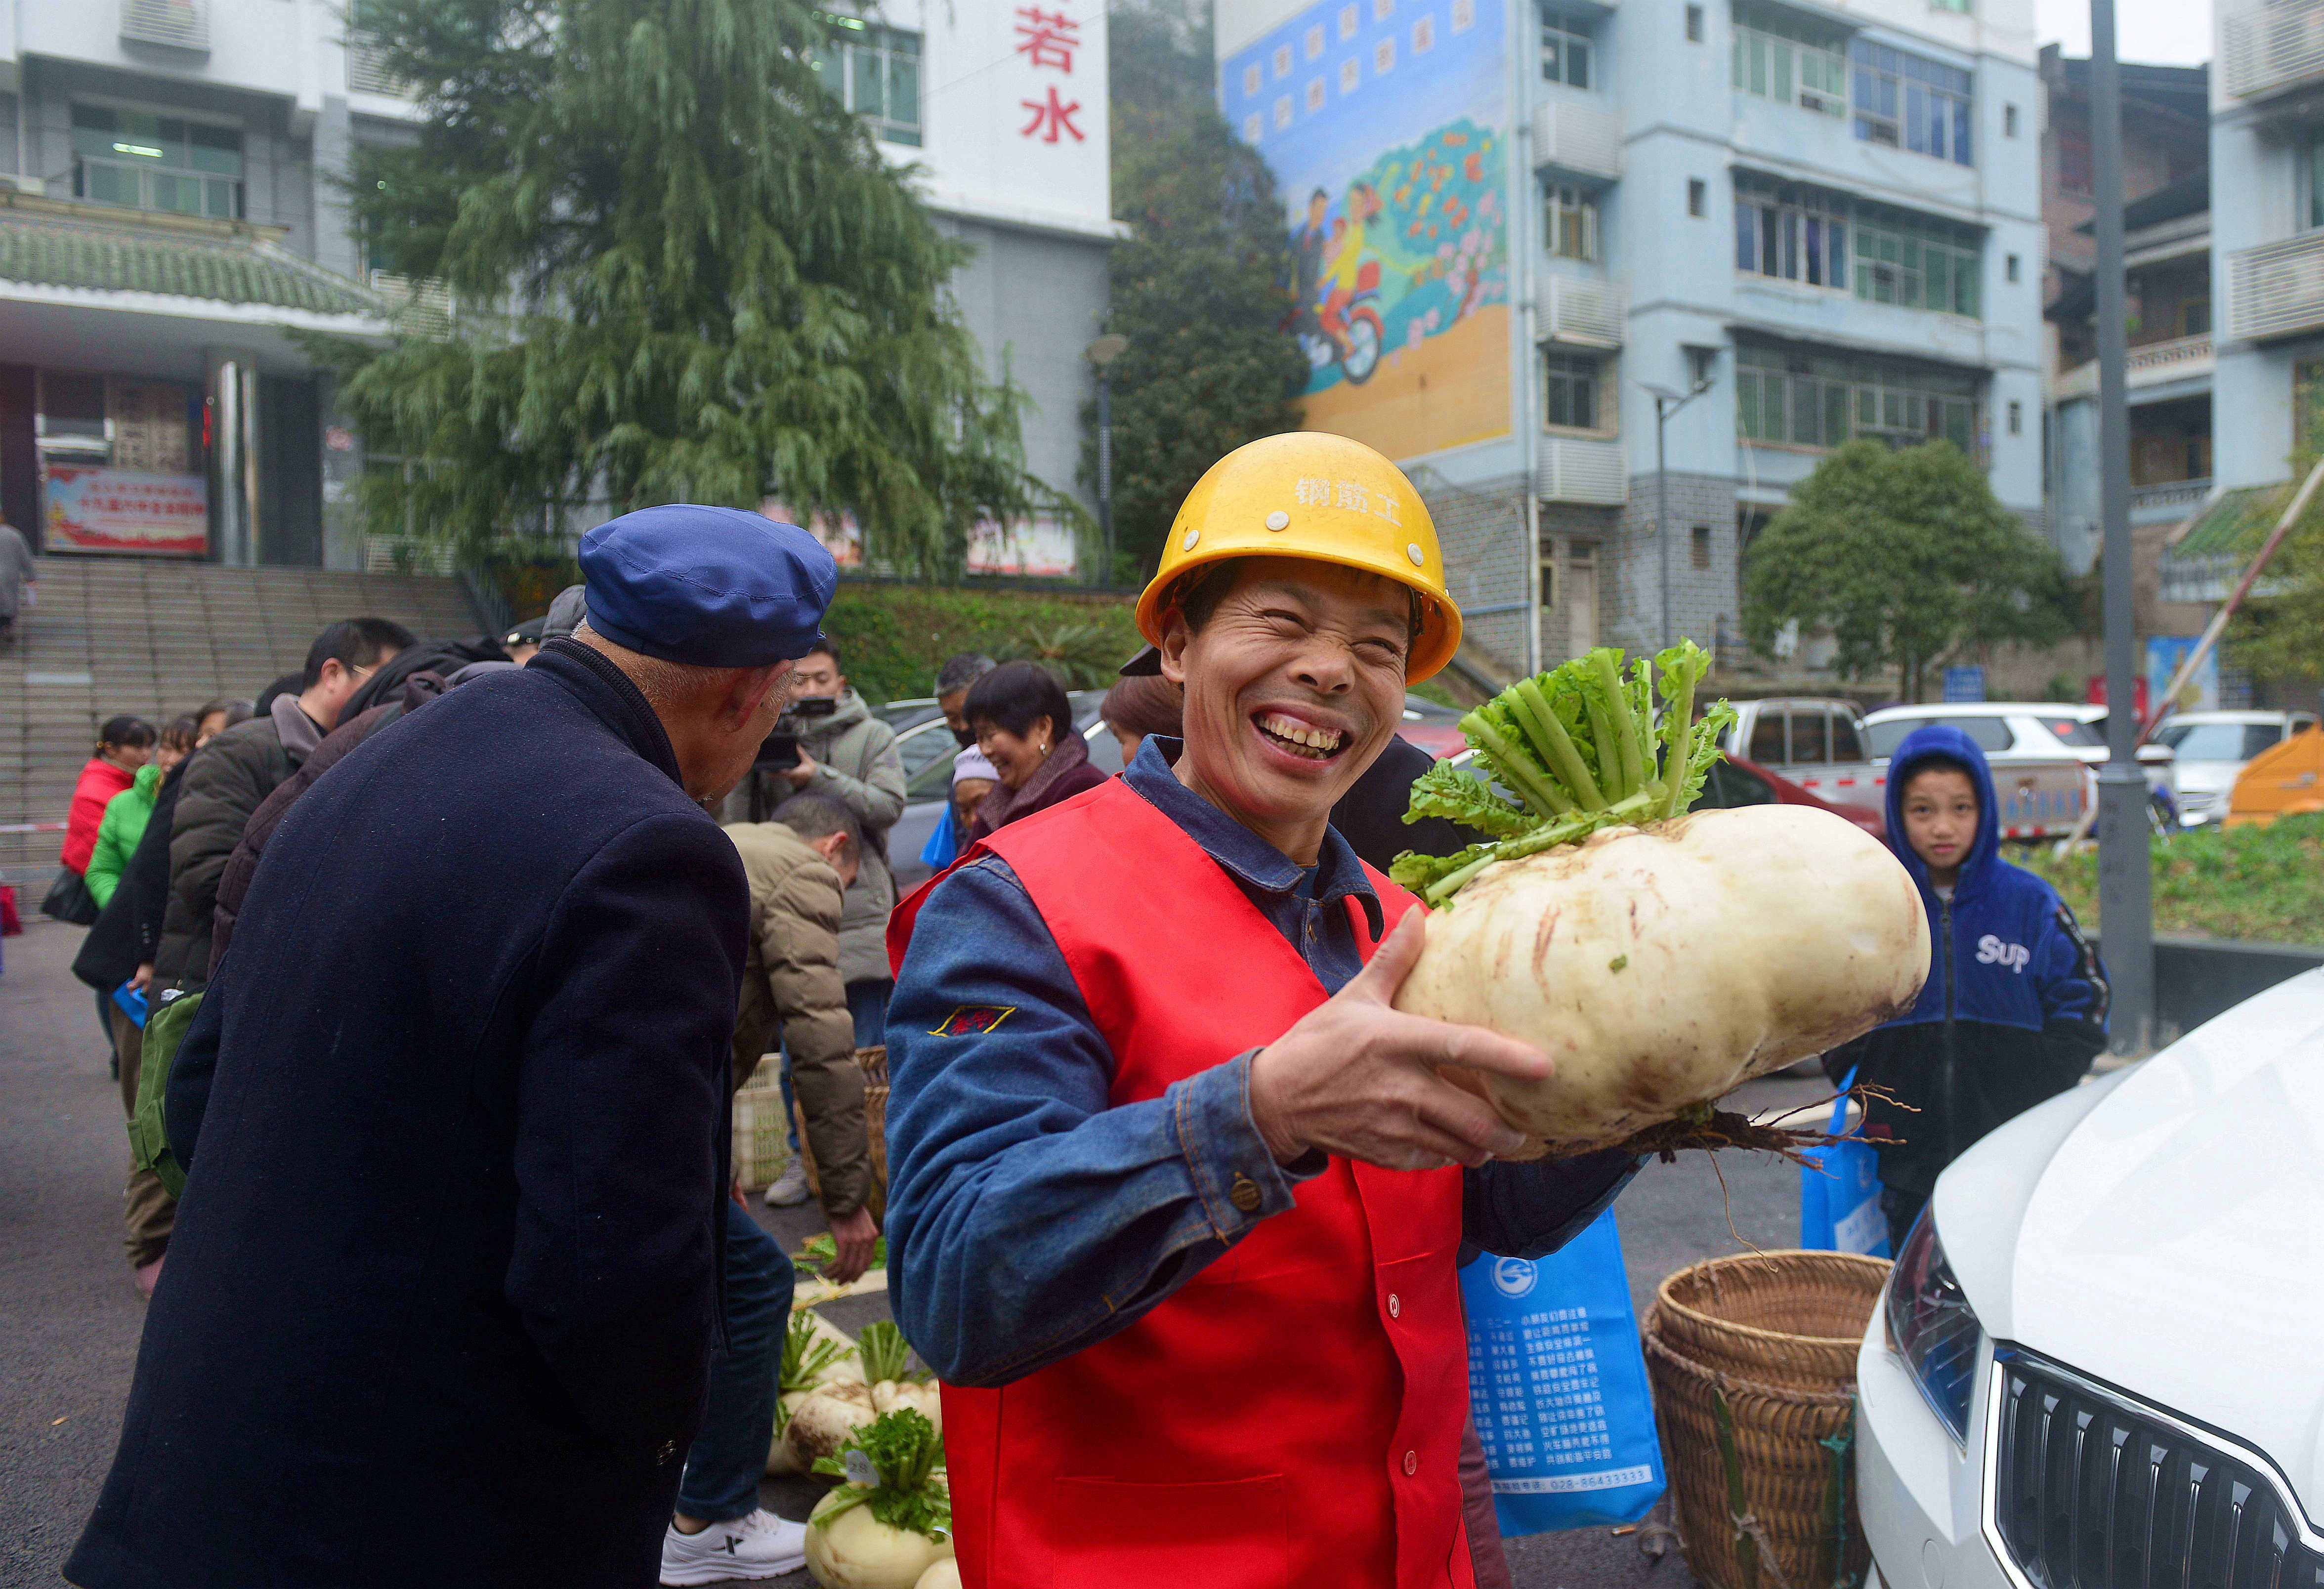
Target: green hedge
(2261, 884)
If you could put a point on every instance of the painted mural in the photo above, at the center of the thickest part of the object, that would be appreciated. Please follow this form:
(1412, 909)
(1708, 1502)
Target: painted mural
(1383, 121)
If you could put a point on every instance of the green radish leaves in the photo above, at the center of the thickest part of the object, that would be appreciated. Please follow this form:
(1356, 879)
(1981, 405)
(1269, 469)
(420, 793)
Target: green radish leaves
(1580, 749)
(904, 1450)
(806, 1354)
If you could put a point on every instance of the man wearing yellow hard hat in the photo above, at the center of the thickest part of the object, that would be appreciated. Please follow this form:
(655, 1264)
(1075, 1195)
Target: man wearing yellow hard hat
(1176, 1197)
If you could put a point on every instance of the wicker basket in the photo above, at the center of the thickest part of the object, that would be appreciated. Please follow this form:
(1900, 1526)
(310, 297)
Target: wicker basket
(761, 1129)
(874, 1061)
(1753, 1360)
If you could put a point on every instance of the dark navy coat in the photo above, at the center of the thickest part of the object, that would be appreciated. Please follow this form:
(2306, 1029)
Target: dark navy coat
(440, 1301)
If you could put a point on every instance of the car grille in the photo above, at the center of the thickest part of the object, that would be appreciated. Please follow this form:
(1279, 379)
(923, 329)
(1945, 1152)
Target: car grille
(2094, 1492)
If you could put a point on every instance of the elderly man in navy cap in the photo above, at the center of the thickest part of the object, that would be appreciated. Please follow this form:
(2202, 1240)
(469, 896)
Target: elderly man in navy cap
(444, 1286)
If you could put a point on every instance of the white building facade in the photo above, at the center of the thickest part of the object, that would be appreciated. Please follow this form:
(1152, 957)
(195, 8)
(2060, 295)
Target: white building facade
(170, 216)
(1821, 218)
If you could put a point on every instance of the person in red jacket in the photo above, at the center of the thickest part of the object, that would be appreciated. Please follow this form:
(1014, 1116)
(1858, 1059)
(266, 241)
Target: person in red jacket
(1177, 1196)
(123, 745)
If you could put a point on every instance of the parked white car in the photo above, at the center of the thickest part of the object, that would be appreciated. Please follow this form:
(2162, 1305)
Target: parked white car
(2097, 1361)
(2034, 749)
(2156, 758)
(2213, 748)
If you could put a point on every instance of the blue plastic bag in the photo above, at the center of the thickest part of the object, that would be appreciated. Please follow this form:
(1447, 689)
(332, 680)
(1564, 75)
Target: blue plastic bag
(1840, 1204)
(943, 847)
(1558, 1385)
(132, 1001)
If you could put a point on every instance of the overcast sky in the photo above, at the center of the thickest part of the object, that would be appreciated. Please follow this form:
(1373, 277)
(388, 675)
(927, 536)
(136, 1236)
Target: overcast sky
(2153, 32)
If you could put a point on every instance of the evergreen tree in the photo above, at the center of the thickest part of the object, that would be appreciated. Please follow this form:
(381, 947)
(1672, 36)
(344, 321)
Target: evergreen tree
(695, 279)
(1907, 559)
(1201, 289)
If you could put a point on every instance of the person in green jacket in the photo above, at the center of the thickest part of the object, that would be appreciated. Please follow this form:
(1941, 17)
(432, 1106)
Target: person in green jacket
(127, 812)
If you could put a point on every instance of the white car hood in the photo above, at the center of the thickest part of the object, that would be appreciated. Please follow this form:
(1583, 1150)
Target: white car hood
(2171, 1245)
(2209, 776)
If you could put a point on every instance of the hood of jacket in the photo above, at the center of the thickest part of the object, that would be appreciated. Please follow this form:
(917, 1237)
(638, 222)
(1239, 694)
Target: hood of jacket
(147, 782)
(1942, 741)
(818, 730)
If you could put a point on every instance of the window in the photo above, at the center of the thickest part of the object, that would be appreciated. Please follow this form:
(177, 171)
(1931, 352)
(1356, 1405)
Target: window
(1572, 385)
(1694, 24)
(2195, 316)
(1549, 579)
(2074, 162)
(1698, 197)
(2009, 121)
(2016, 418)
(1793, 399)
(1794, 233)
(1789, 61)
(1569, 223)
(2010, 267)
(1699, 554)
(143, 161)
(1959, 5)
(1915, 261)
(876, 73)
(2314, 174)
(1566, 48)
(1908, 102)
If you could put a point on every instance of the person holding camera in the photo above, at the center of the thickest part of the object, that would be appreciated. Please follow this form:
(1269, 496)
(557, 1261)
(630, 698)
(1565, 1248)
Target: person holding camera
(846, 754)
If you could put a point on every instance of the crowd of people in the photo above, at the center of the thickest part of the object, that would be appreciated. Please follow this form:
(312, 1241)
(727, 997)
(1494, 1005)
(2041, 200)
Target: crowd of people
(446, 1240)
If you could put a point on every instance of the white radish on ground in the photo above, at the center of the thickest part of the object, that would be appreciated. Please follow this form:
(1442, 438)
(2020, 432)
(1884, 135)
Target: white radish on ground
(855, 1550)
(1661, 968)
(890, 1394)
(943, 1574)
(824, 1419)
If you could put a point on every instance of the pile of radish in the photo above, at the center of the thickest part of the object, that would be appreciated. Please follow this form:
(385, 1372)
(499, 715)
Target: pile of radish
(1661, 959)
(888, 1523)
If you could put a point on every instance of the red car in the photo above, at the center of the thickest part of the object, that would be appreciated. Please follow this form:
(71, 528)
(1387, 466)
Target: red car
(1735, 781)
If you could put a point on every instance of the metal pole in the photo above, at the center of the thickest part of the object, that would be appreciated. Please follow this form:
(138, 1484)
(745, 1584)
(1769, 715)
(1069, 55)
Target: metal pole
(1105, 472)
(2125, 902)
(1661, 522)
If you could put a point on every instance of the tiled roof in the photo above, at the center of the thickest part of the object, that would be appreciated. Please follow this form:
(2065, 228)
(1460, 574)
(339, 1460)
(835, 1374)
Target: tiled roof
(48, 244)
(2235, 523)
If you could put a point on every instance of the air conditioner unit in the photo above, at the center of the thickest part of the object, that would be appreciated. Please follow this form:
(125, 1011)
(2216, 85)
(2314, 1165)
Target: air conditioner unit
(179, 25)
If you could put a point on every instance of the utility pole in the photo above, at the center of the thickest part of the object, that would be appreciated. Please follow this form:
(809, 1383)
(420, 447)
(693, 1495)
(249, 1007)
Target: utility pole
(2125, 899)
(1102, 354)
(1666, 403)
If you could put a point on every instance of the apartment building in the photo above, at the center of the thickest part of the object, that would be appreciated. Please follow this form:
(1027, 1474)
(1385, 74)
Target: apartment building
(1524, 225)
(171, 217)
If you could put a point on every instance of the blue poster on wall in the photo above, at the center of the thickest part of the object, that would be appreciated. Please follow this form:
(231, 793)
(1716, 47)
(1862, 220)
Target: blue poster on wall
(1558, 1385)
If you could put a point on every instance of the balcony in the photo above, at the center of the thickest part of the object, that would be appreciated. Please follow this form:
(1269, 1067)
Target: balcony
(1575, 310)
(2276, 289)
(1577, 469)
(2270, 46)
(179, 25)
(1574, 136)
(2156, 364)
(2168, 502)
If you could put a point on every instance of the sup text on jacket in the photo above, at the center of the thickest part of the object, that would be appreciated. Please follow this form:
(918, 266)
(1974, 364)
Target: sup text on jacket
(2013, 1012)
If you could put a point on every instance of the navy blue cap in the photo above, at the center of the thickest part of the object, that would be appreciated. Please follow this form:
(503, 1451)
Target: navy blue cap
(709, 587)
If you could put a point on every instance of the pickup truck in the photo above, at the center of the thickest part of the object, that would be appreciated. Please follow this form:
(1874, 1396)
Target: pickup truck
(1815, 742)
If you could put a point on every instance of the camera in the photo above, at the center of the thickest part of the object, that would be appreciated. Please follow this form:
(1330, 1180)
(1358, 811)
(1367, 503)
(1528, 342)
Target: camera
(780, 749)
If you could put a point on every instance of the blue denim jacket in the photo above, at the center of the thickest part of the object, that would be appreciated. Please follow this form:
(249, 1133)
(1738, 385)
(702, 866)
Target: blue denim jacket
(1029, 1218)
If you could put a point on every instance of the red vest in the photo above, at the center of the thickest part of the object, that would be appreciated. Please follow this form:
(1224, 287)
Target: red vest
(1291, 1418)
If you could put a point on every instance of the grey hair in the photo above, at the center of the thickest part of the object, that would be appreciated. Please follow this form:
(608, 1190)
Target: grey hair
(963, 670)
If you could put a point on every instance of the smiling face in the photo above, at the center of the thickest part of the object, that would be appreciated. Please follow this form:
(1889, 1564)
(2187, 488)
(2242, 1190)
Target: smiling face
(1940, 807)
(1293, 685)
(1015, 757)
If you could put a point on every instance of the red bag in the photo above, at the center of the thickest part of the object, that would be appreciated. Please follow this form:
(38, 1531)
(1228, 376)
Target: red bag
(11, 924)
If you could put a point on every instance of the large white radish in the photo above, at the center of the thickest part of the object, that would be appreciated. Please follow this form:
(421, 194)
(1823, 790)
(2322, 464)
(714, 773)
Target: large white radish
(1663, 966)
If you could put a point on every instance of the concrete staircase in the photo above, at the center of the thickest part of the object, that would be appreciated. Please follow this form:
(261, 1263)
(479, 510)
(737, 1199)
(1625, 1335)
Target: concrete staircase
(157, 638)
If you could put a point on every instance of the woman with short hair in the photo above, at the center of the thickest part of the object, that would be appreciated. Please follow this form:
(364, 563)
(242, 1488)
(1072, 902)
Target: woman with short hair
(1024, 724)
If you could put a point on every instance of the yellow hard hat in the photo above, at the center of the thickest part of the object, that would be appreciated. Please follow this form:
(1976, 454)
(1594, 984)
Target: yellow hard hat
(1311, 494)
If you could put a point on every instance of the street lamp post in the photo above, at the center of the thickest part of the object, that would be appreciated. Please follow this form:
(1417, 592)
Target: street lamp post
(1102, 354)
(2125, 900)
(1666, 403)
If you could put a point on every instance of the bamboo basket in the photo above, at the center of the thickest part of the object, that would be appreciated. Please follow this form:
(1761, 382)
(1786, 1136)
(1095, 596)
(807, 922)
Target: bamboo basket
(1753, 1360)
(761, 1128)
(874, 1061)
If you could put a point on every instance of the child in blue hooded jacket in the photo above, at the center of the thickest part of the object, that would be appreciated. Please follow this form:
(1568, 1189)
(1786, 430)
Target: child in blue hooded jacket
(2014, 1007)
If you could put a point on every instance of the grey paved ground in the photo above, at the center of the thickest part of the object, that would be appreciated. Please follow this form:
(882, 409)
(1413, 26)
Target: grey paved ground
(69, 1318)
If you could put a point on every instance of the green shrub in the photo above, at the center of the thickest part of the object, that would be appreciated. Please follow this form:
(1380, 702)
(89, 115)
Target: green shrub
(2262, 884)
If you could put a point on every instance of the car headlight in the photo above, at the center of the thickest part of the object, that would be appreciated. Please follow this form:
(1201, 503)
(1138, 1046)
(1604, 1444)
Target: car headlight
(1932, 1327)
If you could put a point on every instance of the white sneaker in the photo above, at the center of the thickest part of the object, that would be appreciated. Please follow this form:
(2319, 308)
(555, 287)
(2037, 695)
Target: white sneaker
(789, 1189)
(758, 1546)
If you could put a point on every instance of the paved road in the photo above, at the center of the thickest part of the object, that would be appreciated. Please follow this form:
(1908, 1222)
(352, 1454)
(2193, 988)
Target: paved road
(70, 1317)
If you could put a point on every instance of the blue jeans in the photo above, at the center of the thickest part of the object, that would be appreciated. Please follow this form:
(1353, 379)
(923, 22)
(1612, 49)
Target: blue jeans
(729, 1457)
(867, 1001)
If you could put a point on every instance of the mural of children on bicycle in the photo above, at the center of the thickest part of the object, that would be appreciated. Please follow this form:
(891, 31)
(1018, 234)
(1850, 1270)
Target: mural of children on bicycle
(1382, 125)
